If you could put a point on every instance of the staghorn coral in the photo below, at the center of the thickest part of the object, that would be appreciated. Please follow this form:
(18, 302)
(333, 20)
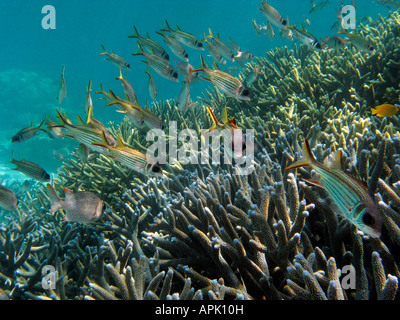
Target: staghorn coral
(205, 232)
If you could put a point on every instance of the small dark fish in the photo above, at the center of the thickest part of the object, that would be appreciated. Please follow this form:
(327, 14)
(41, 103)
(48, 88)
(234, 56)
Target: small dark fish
(26, 133)
(30, 169)
(8, 199)
(81, 206)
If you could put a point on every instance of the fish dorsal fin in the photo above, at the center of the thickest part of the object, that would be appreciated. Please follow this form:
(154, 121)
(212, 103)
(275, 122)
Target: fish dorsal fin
(306, 160)
(359, 180)
(80, 121)
(120, 143)
(68, 193)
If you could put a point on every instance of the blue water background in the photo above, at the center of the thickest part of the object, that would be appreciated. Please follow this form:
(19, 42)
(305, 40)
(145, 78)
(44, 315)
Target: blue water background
(32, 58)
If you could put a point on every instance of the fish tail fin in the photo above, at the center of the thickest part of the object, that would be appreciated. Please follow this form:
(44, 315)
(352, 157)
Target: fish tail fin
(305, 160)
(54, 198)
(203, 65)
(211, 34)
(168, 27)
(136, 34)
(104, 50)
(141, 50)
(214, 119)
(89, 114)
(101, 88)
(323, 43)
(374, 111)
(120, 76)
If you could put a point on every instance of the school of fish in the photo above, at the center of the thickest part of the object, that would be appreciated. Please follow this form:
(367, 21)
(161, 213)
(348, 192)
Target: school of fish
(348, 193)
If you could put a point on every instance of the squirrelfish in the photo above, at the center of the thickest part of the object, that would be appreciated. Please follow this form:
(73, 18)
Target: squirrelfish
(334, 42)
(62, 88)
(152, 86)
(385, 110)
(30, 169)
(159, 65)
(305, 37)
(136, 114)
(175, 46)
(128, 88)
(348, 193)
(318, 7)
(222, 47)
(273, 15)
(132, 158)
(359, 42)
(115, 59)
(225, 82)
(152, 46)
(8, 199)
(214, 52)
(26, 133)
(81, 132)
(81, 206)
(230, 132)
(185, 38)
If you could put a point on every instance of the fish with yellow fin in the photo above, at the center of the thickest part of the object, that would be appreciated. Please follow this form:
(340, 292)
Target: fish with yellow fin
(131, 158)
(229, 131)
(385, 110)
(225, 82)
(350, 194)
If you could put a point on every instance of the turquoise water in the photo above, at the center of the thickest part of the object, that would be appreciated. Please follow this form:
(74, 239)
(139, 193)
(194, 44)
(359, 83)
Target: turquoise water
(33, 57)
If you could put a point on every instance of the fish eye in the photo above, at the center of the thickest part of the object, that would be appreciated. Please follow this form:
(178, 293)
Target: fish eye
(156, 169)
(186, 55)
(368, 219)
(104, 207)
(371, 48)
(199, 44)
(175, 75)
(284, 22)
(245, 92)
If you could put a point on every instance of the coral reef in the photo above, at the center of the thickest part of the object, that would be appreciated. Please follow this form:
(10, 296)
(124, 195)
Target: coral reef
(206, 232)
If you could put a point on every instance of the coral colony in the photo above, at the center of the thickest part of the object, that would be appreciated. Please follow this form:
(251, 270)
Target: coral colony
(204, 231)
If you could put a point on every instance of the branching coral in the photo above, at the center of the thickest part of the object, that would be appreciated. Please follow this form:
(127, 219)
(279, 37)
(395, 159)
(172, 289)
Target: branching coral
(206, 232)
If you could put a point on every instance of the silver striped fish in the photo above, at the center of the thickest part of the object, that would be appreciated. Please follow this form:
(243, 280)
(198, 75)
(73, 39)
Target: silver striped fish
(185, 38)
(131, 158)
(159, 65)
(136, 114)
(30, 169)
(225, 82)
(81, 132)
(273, 15)
(150, 45)
(175, 46)
(8, 199)
(348, 193)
